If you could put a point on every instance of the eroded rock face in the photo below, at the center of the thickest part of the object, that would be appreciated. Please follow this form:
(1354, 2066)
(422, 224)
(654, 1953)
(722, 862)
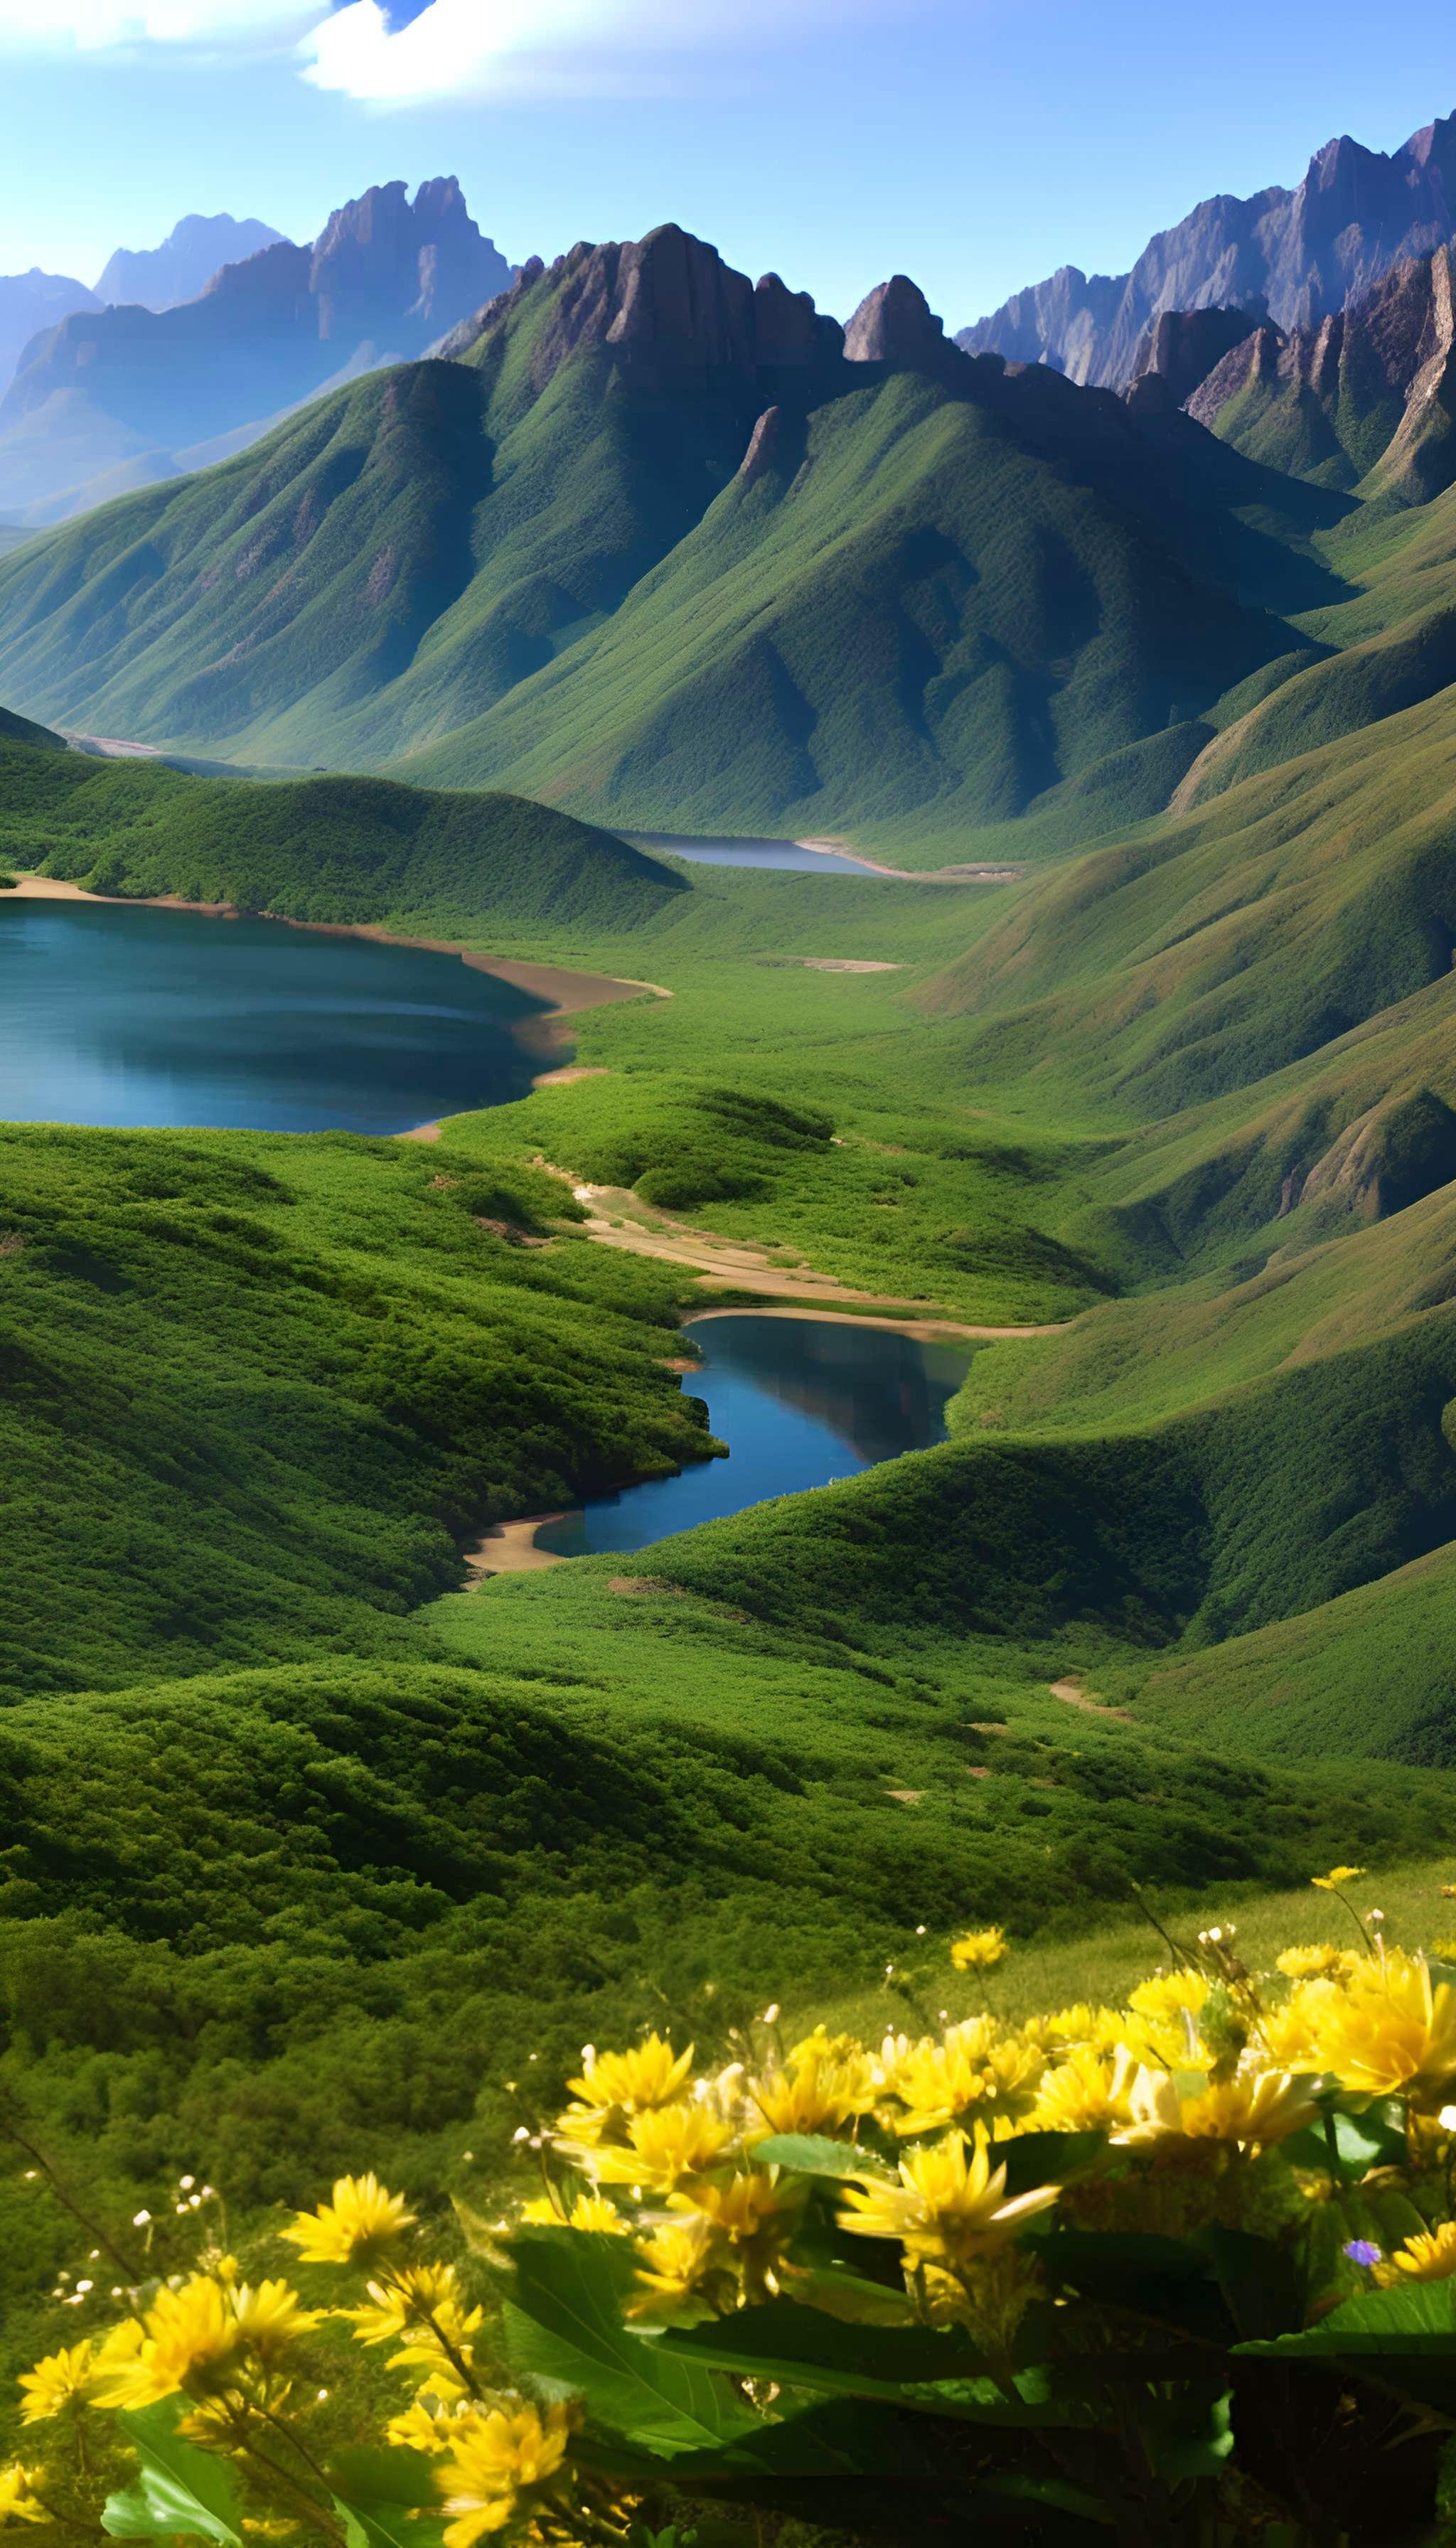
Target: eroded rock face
(1303, 254)
(1371, 388)
(1182, 347)
(895, 323)
(670, 309)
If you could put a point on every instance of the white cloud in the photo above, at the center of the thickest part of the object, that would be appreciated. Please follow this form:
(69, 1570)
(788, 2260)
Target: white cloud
(101, 26)
(501, 47)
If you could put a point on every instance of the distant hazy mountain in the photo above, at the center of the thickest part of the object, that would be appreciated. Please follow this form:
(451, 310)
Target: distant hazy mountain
(30, 303)
(127, 395)
(157, 278)
(1296, 257)
(678, 547)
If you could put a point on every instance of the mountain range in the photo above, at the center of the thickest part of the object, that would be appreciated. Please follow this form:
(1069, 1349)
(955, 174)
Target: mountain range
(1293, 256)
(156, 278)
(109, 397)
(678, 552)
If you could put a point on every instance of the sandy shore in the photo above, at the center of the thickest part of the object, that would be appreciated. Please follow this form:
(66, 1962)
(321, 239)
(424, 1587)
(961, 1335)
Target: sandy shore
(564, 988)
(925, 1331)
(510, 1549)
(38, 889)
(916, 876)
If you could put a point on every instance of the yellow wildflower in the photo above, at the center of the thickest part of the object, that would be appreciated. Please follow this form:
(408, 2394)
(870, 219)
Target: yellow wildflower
(493, 2458)
(359, 2226)
(665, 2144)
(1338, 1877)
(186, 2341)
(949, 2206)
(113, 2363)
(974, 2071)
(1428, 2258)
(1100, 2028)
(1252, 2110)
(18, 2502)
(1315, 1963)
(410, 2299)
(1085, 2093)
(978, 1949)
(1390, 2029)
(753, 2215)
(614, 2086)
(422, 2310)
(59, 2380)
(1161, 2023)
(675, 2259)
(825, 2087)
(1444, 1948)
(418, 2427)
(589, 2212)
(269, 2318)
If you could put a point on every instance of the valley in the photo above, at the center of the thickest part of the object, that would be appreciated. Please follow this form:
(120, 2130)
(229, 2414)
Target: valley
(758, 1259)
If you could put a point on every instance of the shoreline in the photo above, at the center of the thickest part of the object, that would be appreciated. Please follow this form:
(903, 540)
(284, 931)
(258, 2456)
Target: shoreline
(986, 874)
(564, 989)
(922, 1331)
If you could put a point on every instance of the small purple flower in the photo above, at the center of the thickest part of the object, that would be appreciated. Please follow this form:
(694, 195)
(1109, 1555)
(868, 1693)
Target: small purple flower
(1363, 2251)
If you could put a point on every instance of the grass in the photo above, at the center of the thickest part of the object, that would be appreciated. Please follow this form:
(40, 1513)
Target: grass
(258, 1391)
(342, 849)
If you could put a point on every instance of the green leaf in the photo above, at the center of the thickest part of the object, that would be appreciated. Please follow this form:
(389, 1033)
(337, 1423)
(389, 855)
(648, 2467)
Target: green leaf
(1405, 2341)
(382, 2496)
(786, 2342)
(841, 2438)
(181, 2491)
(1047, 2158)
(564, 2331)
(1189, 2431)
(384, 2477)
(1166, 2279)
(1260, 2282)
(386, 2525)
(814, 2154)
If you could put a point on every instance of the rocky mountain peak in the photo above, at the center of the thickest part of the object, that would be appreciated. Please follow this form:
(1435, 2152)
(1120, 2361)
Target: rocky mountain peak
(895, 323)
(671, 310)
(1182, 347)
(1370, 388)
(1301, 253)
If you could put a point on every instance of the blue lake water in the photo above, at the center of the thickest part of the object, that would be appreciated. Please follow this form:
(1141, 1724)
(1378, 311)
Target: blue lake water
(800, 1402)
(751, 854)
(126, 1015)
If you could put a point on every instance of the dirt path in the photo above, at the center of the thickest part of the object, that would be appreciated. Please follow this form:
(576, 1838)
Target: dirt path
(1072, 1693)
(622, 1219)
(917, 876)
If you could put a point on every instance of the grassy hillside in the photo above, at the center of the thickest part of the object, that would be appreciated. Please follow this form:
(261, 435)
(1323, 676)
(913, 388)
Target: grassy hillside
(257, 1391)
(550, 565)
(320, 849)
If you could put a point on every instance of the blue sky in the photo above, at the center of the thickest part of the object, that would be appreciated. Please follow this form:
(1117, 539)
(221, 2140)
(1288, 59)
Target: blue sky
(973, 144)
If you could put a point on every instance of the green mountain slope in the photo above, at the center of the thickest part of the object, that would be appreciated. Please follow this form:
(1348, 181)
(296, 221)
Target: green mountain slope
(344, 849)
(625, 549)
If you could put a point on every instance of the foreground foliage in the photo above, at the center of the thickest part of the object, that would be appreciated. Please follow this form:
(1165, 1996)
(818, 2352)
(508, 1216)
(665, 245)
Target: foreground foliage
(1182, 2270)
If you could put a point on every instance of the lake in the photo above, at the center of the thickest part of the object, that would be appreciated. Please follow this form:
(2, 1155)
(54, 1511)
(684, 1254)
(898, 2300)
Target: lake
(749, 854)
(799, 1402)
(122, 1014)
